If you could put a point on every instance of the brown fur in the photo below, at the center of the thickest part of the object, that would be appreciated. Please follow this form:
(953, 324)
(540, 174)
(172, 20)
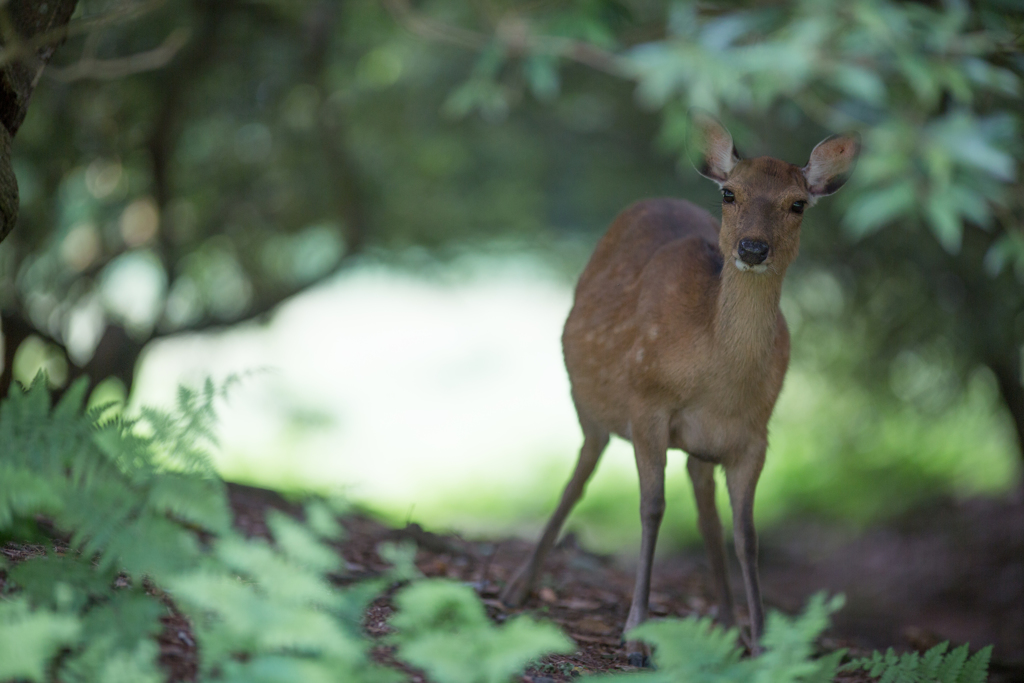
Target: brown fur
(673, 342)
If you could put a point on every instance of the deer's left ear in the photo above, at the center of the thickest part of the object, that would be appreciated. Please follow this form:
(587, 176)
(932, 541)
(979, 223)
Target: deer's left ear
(832, 161)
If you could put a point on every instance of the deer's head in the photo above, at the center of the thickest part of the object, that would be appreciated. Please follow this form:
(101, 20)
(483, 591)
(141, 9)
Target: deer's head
(763, 199)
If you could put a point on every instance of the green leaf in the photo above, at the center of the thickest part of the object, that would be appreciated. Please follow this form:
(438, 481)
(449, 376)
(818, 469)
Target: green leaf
(947, 669)
(442, 629)
(788, 642)
(402, 558)
(236, 618)
(284, 580)
(200, 501)
(24, 493)
(300, 545)
(541, 72)
(136, 666)
(860, 83)
(976, 668)
(944, 221)
(323, 520)
(935, 666)
(690, 648)
(129, 615)
(874, 209)
(61, 582)
(71, 403)
(30, 639)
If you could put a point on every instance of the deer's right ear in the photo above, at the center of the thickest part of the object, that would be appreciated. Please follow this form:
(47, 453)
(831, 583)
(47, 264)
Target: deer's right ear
(711, 150)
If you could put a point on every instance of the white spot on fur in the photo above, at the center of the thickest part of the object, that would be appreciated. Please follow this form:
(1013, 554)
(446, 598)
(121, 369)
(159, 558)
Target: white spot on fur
(652, 333)
(639, 355)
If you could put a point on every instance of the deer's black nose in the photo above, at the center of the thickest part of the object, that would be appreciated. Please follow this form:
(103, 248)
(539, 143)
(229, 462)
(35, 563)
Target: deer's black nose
(752, 252)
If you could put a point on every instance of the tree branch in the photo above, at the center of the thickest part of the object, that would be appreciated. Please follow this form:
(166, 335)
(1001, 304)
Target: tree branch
(113, 69)
(26, 45)
(513, 33)
(23, 23)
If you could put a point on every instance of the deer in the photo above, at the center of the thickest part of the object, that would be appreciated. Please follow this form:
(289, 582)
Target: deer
(676, 340)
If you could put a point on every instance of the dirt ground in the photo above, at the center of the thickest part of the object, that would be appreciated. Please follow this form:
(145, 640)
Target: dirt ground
(951, 571)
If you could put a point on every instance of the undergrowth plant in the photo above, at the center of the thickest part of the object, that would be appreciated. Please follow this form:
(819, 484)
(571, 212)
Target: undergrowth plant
(698, 651)
(934, 666)
(141, 523)
(126, 523)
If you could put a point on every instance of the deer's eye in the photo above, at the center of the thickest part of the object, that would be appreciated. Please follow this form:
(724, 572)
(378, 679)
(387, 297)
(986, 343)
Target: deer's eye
(798, 207)
(728, 197)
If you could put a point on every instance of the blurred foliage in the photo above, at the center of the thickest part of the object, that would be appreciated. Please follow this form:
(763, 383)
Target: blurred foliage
(697, 650)
(132, 497)
(149, 528)
(934, 665)
(444, 630)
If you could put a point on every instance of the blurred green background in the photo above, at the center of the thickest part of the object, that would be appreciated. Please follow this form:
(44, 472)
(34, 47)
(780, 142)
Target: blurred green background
(375, 212)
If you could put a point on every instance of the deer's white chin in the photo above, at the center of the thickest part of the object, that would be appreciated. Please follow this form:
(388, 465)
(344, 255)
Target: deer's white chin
(759, 268)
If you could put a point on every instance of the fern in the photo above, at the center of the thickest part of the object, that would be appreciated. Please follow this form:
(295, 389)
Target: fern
(934, 666)
(443, 629)
(29, 639)
(698, 651)
(131, 495)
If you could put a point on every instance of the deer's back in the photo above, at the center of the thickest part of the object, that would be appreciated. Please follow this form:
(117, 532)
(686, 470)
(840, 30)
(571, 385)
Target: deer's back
(607, 314)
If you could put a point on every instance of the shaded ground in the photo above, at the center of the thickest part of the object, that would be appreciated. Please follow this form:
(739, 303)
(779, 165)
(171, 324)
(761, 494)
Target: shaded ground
(953, 571)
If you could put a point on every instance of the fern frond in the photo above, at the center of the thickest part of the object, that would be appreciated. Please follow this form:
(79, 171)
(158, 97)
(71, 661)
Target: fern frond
(443, 629)
(976, 668)
(24, 493)
(29, 639)
(131, 493)
(789, 642)
(948, 669)
(62, 583)
(70, 404)
(692, 649)
(300, 545)
(935, 666)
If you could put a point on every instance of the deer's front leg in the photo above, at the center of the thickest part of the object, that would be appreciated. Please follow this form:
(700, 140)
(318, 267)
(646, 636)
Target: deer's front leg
(702, 476)
(741, 478)
(650, 442)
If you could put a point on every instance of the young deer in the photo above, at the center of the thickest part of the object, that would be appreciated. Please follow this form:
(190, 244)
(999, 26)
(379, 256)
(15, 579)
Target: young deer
(676, 340)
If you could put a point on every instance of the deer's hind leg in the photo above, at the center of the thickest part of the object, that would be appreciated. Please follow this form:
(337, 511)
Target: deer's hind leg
(595, 439)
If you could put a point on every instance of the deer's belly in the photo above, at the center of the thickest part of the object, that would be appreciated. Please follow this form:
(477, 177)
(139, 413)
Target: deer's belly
(710, 435)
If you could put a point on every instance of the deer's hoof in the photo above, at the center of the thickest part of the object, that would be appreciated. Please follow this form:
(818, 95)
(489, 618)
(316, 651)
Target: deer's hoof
(515, 594)
(639, 660)
(638, 654)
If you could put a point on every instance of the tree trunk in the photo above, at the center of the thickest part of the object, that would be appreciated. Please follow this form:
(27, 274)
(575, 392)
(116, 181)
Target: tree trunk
(1008, 376)
(14, 331)
(22, 21)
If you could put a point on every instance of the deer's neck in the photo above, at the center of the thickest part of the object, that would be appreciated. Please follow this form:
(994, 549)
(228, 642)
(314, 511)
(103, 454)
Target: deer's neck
(746, 317)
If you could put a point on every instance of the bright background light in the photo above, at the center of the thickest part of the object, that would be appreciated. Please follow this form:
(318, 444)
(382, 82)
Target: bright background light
(440, 398)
